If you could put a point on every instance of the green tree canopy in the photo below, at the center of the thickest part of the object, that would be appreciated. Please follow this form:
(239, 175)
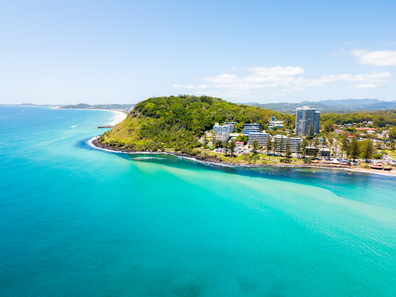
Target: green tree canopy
(368, 150)
(255, 146)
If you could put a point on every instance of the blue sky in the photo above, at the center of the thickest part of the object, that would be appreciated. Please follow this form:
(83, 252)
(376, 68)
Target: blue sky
(61, 52)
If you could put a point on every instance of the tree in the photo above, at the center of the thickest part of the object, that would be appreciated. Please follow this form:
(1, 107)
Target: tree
(304, 146)
(368, 150)
(268, 143)
(328, 126)
(218, 143)
(310, 132)
(242, 138)
(276, 144)
(392, 133)
(298, 147)
(288, 151)
(281, 144)
(354, 149)
(255, 146)
(205, 140)
(232, 146)
(345, 143)
(225, 146)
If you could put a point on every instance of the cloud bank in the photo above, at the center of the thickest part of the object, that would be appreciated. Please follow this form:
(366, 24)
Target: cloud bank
(377, 58)
(286, 79)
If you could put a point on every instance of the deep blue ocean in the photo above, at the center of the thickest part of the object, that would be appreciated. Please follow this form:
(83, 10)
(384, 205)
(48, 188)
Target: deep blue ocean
(78, 221)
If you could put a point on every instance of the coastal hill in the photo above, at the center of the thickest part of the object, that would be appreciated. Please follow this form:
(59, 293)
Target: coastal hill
(177, 122)
(338, 106)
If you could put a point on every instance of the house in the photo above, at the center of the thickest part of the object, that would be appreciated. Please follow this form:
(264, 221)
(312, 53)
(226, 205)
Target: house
(239, 143)
(367, 130)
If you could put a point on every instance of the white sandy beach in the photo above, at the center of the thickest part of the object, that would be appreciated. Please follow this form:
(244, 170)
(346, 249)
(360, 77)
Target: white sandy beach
(119, 117)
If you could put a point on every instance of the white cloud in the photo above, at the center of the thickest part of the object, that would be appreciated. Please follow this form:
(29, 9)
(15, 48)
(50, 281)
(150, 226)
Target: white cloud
(276, 71)
(238, 94)
(223, 78)
(387, 43)
(378, 58)
(332, 55)
(365, 86)
(192, 86)
(286, 79)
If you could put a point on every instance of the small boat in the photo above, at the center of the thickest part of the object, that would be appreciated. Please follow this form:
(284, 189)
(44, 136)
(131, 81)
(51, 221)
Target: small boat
(388, 168)
(376, 166)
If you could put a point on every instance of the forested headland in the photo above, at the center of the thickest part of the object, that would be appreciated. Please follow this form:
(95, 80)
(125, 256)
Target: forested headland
(160, 123)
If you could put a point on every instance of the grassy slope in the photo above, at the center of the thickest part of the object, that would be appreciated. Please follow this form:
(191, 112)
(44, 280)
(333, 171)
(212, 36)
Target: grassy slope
(126, 132)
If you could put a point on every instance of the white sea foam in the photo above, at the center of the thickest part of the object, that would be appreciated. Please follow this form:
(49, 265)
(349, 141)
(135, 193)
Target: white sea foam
(74, 126)
(148, 158)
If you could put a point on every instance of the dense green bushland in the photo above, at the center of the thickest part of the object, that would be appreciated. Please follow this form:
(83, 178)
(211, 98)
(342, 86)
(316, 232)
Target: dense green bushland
(177, 122)
(380, 118)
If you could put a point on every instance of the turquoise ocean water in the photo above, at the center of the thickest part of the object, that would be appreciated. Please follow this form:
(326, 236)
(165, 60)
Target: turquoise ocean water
(77, 221)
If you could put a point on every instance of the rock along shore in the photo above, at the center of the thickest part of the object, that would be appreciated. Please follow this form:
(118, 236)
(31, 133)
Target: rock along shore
(215, 160)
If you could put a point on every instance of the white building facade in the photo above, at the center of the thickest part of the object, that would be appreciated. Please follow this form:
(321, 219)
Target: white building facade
(221, 132)
(260, 137)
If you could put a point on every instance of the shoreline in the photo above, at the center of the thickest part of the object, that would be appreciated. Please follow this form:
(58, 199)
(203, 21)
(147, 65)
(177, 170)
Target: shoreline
(121, 115)
(94, 142)
(119, 118)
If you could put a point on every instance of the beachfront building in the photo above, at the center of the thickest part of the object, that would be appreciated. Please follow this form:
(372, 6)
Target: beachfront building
(324, 152)
(293, 141)
(306, 116)
(250, 128)
(260, 137)
(221, 132)
(281, 142)
(231, 125)
(311, 150)
(274, 123)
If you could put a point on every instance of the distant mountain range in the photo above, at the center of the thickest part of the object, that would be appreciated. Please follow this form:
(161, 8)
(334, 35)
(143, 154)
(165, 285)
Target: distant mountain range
(339, 106)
